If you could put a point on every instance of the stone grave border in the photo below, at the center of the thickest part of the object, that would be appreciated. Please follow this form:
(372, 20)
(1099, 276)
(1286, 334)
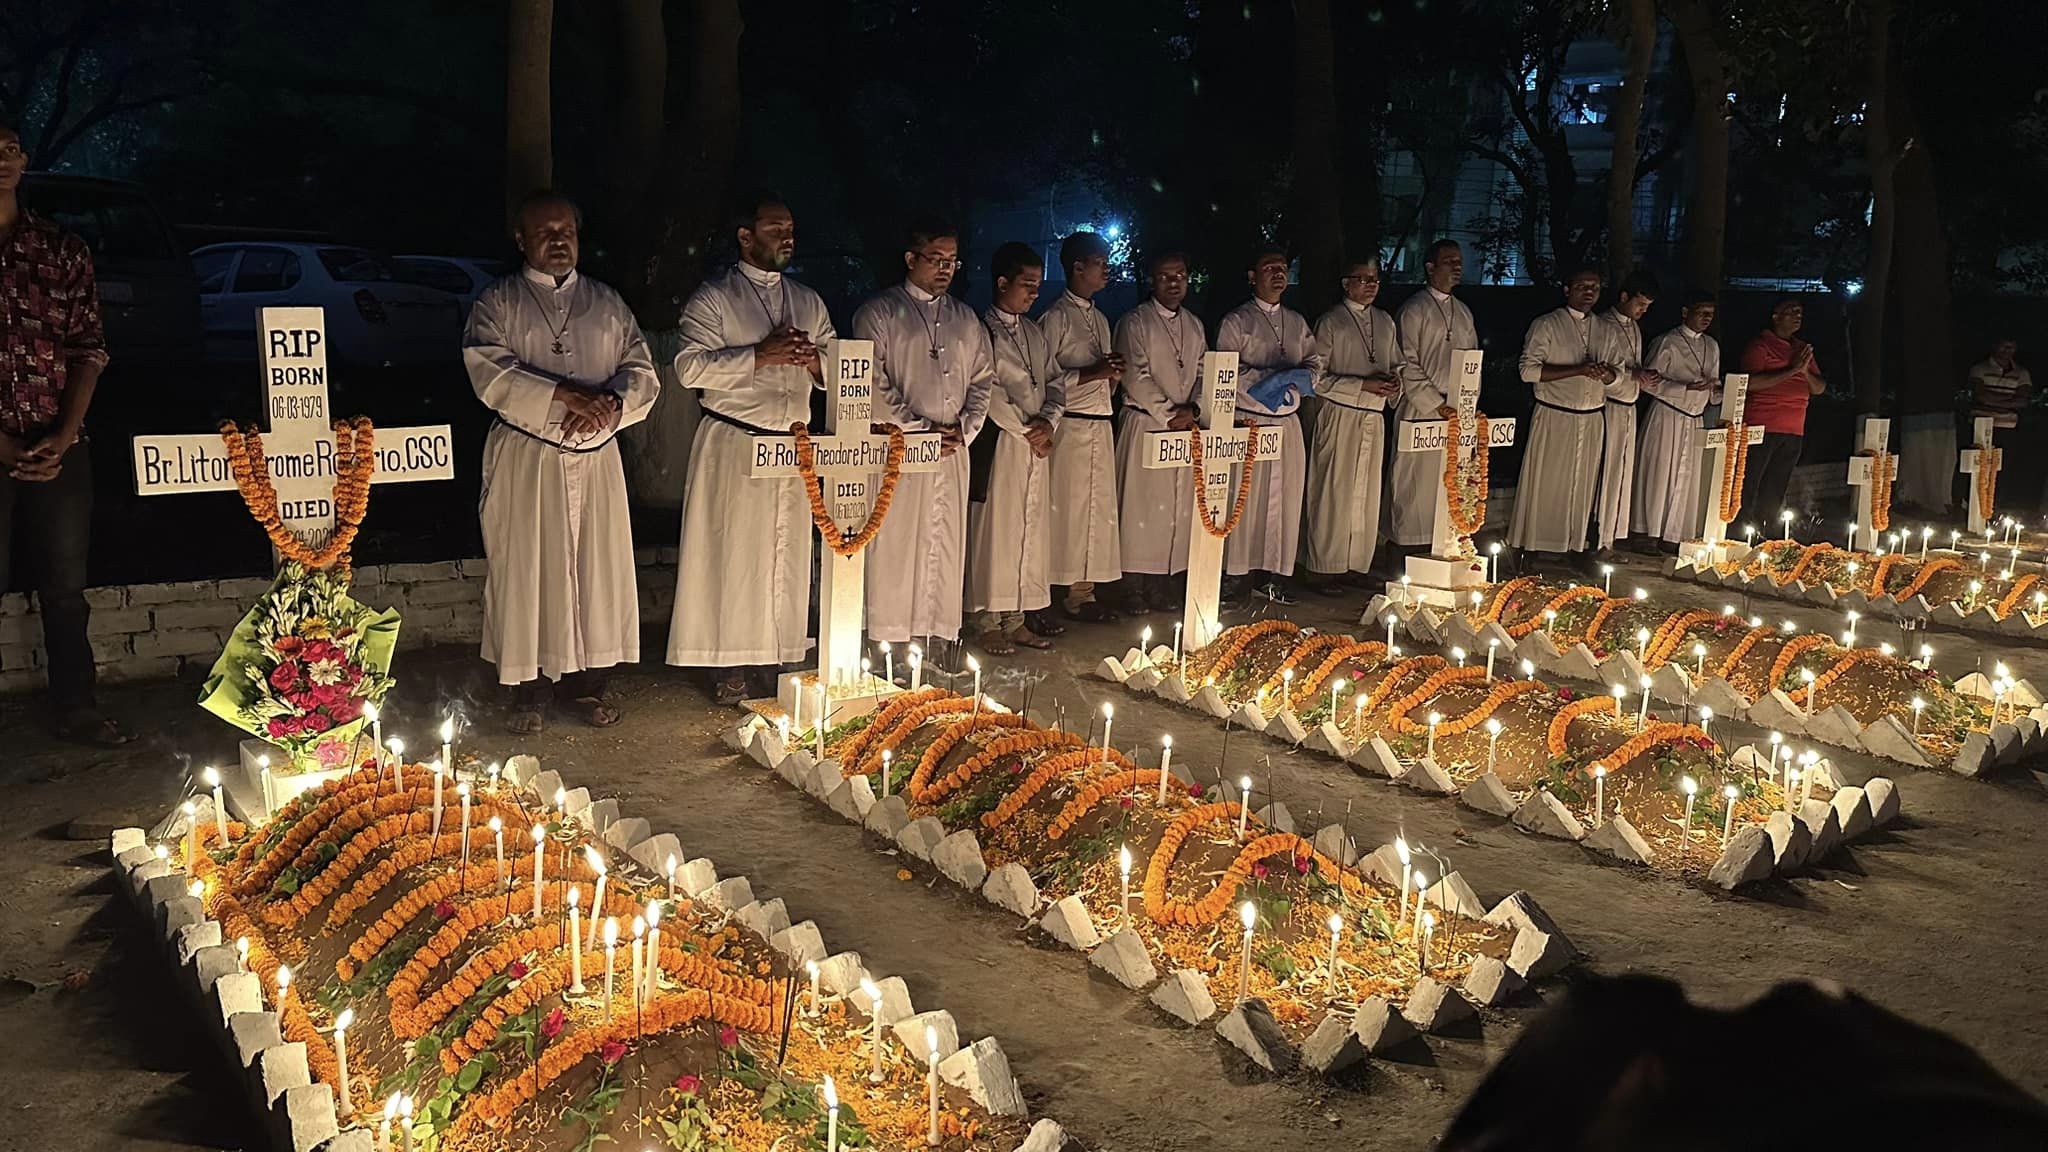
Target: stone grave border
(1539, 951)
(1948, 616)
(298, 1113)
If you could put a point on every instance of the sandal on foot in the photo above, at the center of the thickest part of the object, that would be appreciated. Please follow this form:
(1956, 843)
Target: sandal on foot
(995, 644)
(525, 722)
(1095, 612)
(594, 712)
(88, 727)
(1043, 623)
(730, 692)
(1025, 638)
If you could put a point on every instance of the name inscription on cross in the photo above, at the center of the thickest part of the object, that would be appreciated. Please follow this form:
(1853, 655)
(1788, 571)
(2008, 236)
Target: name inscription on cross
(1865, 478)
(849, 466)
(298, 442)
(1452, 563)
(1974, 462)
(1713, 546)
(1223, 446)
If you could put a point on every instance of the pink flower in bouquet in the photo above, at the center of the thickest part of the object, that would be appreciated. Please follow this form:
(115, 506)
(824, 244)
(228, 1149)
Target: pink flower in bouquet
(332, 754)
(315, 722)
(321, 650)
(279, 727)
(285, 676)
(1303, 863)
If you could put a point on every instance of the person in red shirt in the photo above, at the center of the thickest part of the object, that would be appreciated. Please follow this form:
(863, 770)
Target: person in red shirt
(1782, 375)
(51, 354)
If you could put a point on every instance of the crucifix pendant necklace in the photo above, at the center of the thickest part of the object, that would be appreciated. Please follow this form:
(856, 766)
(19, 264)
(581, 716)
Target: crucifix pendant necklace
(559, 333)
(931, 328)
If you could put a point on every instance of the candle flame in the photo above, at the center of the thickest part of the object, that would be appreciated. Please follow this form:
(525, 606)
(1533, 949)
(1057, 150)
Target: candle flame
(573, 898)
(1123, 860)
(1401, 849)
(1248, 913)
(1108, 710)
(539, 833)
(596, 861)
(495, 824)
(1688, 785)
(611, 931)
(448, 730)
(347, 1017)
(831, 1095)
(1336, 924)
(212, 776)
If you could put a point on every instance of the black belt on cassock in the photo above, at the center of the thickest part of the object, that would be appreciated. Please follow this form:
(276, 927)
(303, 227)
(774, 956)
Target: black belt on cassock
(1086, 416)
(1571, 411)
(1256, 415)
(742, 425)
(1380, 412)
(1654, 398)
(557, 445)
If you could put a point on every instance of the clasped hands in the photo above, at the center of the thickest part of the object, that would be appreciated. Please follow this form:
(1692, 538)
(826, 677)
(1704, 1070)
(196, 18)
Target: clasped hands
(587, 413)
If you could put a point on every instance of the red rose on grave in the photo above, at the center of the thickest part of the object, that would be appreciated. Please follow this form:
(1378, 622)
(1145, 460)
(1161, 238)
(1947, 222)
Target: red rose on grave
(688, 1084)
(1566, 694)
(1303, 864)
(516, 970)
(728, 1037)
(444, 909)
(612, 1052)
(1195, 790)
(1259, 870)
(1126, 802)
(552, 1024)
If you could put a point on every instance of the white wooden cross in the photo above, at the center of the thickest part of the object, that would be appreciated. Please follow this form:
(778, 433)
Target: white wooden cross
(1223, 447)
(849, 464)
(1451, 563)
(1713, 544)
(1877, 434)
(299, 442)
(1974, 460)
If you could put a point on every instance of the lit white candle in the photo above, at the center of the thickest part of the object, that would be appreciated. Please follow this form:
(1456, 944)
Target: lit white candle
(575, 944)
(1812, 690)
(462, 793)
(1706, 718)
(241, 953)
(670, 873)
(1528, 669)
(220, 807)
(811, 970)
(493, 772)
(1145, 646)
(1358, 711)
(540, 836)
(931, 1085)
(1421, 897)
(1123, 867)
(1401, 850)
(1699, 661)
(974, 666)
(1337, 687)
(1492, 650)
(1691, 788)
(1599, 794)
(1165, 765)
(1250, 915)
(1388, 620)
(596, 862)
(1643, 706)
(1785, 515)
(1806, 781)
(343, 1106)
(1925, 532)
(831, 1115)
(653, 948)
(1918, 704)
(191, 811)
(1493, 562)
(497, 828)
(1244, 803)
(1422, 950)
(796, 719)
(1749, 535)
(397, 747)
(1108, 715)
(1549, 619)
(1642, 645)
(916, 668)
(874, 995)
(887, 756)
(1458, 656)
(1728, 792)
(1850, 543)
(867, 672)
(1607, 579)
(611, 956)
(405, 1123)
(384, 1125)
(1492, 741)
(1287, 688)
(1336, 937)
(1176, 645)
(284, 984)
(1435, 718)
(1641, 593)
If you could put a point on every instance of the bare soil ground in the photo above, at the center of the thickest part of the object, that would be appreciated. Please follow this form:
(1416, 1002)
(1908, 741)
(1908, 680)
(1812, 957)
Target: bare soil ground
(1940, 920)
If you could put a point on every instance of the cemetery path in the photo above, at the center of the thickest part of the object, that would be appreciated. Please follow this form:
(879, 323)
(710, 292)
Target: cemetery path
(1938, 920)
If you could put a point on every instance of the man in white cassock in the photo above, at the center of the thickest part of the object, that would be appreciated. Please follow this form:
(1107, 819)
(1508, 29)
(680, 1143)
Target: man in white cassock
(1085, 550)
(1162, 345)
(560, 359)
(1434, 326)
(1277, 359)
(1008, 530)
(1619, 344)
(933, 373)
(1687, 364)
(1360, 358)
(1561, 466)
(750, 347)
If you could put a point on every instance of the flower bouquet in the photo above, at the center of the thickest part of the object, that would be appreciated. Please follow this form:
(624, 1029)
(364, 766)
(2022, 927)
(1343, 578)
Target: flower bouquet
(299, 667)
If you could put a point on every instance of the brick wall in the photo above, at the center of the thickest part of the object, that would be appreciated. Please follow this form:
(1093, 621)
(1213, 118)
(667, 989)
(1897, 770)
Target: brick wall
(157, 631)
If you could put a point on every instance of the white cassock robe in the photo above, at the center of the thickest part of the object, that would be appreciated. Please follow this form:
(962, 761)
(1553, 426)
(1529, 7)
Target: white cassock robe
(1084, 545)
(1008, 532)
(933, 366)
(1432, 326)
(1347, 460)
(743, 578)
(561, 595)
(1619, 344)
(1667, 501)
(1162, 354)
(1561, 466)
(1268, 339)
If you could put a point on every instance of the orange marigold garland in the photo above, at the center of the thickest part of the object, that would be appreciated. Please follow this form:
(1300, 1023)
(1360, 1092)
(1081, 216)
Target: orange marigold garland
(1881, 474)
(1742, 649)
(355, 460)
(1790, 652)
(1503, 594)
(1241, 638)
(1989, 460)
(1847, 660)
(814, 490)
(1561, 724)
(1244, 483)
(1927, 572)
(1734, 469)
(1462, 523)
(1557, 603)
(2012, 597)
(1397, 713)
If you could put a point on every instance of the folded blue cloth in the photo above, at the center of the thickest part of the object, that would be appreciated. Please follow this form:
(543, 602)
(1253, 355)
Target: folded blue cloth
(1271, 392)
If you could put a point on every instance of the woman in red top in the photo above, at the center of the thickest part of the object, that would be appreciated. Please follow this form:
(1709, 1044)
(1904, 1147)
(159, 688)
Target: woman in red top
(1782, 375)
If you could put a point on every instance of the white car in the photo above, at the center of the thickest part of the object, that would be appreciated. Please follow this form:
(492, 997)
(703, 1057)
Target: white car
(465, 277)
(375, 316)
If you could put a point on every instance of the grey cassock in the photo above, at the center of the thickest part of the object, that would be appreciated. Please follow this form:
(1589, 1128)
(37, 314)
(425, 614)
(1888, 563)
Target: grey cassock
(1346, 462)
(1269, 537)
(1561, 466)
(1083, 545)
(1619, 344)
(1667, 502)
(1007, 533)
(933, 366)
(1431, 329)
(743, 575)
(561, 595)
(1162, 371)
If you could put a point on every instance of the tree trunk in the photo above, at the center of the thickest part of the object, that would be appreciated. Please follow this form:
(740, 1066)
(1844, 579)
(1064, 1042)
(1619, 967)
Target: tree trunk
(1318, 206)
(1707, 216)
(643, 42)
(529, 125)
(1927, 381)
(685, 201)
(1638, 44)
(1880, 155)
